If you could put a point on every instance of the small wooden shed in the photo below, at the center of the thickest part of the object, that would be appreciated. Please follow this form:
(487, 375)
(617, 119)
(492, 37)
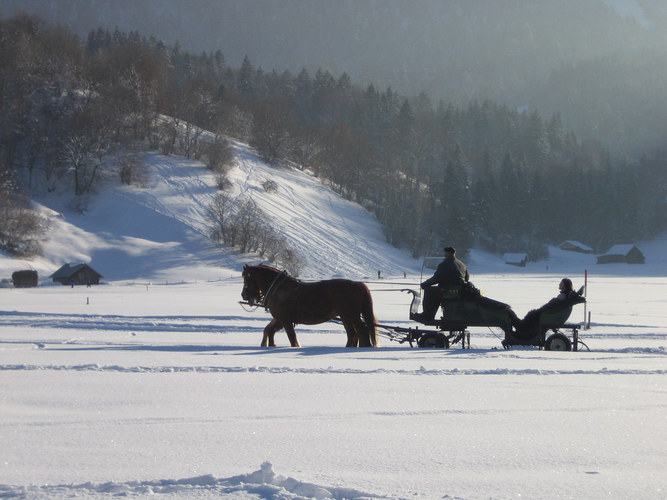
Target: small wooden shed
(25, 279)
(629, 254)
(515, 259)
(76, 274)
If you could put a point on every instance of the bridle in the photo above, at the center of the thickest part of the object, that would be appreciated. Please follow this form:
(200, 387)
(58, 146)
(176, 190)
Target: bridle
(261, 299)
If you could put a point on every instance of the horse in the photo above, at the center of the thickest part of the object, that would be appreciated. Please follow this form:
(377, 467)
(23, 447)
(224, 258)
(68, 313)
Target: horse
(291, 301)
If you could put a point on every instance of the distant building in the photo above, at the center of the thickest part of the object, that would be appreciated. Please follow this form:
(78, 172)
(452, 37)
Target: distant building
(629, 254)
(575, 246)
(515, 259)
(76, 274)
(25, 279)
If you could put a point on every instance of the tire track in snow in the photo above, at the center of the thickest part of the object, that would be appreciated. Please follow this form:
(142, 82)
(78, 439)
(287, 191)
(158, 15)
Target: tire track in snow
(94, 367)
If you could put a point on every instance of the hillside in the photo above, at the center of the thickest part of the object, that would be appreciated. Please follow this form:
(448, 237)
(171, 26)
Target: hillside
(158, 232)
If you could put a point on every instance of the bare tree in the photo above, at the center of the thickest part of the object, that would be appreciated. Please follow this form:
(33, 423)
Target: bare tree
(242, 225)
(305, 149)
(83, 157)
(21, 229)
(132, 170)
(270, 132)
(218, 154)
(219, 216)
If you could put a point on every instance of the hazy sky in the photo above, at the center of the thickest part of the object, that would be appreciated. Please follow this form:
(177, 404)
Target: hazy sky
(412, 45)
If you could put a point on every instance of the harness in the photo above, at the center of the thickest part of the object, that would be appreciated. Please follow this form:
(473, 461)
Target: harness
(272, 288)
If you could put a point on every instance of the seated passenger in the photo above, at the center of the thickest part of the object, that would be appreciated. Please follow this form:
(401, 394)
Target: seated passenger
(530, 321)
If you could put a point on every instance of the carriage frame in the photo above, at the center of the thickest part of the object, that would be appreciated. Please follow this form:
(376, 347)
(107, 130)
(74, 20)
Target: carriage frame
(463, 308)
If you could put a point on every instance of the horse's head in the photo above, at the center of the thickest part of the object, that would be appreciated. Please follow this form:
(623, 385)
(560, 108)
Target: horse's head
(252, 291)
(257, 281)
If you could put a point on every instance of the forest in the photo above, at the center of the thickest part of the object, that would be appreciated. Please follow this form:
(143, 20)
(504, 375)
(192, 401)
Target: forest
(73, 112)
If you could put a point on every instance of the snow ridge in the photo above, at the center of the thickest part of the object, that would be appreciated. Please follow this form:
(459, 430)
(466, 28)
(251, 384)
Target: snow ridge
(263, 483)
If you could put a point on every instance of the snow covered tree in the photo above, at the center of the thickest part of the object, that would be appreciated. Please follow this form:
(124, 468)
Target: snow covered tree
(21, 228)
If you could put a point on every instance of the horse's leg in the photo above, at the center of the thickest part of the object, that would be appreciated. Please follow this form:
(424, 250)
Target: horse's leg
(362, 333)
(269, 333)
(352, 334)
(291, 335)
(369, 327)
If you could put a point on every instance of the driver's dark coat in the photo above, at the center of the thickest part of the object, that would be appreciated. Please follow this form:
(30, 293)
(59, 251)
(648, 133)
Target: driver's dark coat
(451, 271)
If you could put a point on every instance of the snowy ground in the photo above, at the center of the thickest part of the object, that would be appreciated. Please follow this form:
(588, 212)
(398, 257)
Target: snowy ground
(155, 384)
(162, 389)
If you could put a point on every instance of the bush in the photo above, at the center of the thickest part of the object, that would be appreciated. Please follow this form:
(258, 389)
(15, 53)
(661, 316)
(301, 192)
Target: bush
(270, 186)
(132, 170)
(21, 229)
(242, 225)
(218, 155)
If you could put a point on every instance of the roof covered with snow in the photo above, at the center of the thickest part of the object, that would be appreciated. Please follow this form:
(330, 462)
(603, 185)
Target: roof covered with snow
(620, 249)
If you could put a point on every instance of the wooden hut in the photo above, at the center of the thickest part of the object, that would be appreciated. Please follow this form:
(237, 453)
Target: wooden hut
(515, 259)
(629, 254)
(25, 279)
(76, 274)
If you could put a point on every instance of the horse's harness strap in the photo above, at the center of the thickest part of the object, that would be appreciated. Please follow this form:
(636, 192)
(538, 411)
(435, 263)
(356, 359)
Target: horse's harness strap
(273, 287)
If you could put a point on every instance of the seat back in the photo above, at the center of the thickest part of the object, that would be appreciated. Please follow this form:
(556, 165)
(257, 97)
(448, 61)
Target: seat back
(555, 315)
(554, 318)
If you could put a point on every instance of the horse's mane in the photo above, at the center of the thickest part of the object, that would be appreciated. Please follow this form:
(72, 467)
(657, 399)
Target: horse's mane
(266, 267)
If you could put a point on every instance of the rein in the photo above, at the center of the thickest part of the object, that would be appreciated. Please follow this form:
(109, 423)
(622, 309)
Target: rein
(272, 288)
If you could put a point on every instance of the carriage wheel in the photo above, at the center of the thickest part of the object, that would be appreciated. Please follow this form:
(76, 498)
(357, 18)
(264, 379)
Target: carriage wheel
(433, 340)
(558, 342)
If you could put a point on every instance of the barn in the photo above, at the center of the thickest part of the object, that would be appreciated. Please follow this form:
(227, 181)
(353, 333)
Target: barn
(25, 279)
(629, 254)
(515, 259)
(76, 274)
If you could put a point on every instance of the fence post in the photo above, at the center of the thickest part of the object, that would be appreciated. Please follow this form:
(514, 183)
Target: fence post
(585, 295)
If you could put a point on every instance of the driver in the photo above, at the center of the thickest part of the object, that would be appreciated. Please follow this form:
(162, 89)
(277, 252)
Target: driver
(451, 271)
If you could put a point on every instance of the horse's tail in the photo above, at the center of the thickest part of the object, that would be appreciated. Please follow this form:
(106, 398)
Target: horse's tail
(369, 318)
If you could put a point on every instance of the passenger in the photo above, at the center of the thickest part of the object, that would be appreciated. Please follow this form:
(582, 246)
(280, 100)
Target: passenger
(565, 289)
(450, 272)
(530, 321)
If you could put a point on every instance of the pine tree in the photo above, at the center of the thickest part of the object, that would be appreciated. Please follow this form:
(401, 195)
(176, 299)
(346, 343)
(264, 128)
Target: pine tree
(245, 83)
(454, 216)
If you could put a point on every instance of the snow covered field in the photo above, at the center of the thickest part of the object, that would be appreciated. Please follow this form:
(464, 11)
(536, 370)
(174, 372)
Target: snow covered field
(140, 389)
(155, 384)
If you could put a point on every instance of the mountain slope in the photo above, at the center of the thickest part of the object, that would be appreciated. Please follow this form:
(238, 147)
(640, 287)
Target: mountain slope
(159, 232)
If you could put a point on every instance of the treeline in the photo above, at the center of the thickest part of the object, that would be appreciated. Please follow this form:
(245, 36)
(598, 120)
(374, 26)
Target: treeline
(482, 174)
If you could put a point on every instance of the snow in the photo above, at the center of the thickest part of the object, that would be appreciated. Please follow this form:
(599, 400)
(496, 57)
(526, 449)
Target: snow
(629, 9)
(620, 249)
(577, 245)
(154, 383)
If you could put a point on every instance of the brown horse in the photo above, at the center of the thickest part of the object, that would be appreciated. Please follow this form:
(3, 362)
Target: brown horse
(291, 301)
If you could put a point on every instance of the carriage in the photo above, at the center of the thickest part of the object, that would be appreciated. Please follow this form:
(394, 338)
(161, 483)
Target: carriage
(464, 307)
